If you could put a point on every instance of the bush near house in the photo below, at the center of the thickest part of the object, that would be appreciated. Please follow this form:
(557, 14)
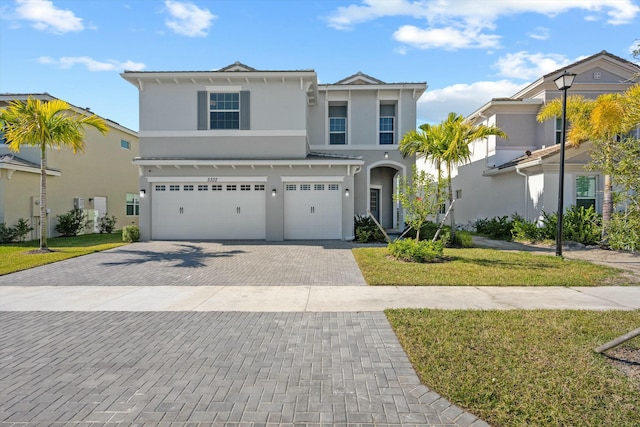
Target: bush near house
(579, 225)
(71, 223)
(17, 233)
(429, 229)
(366, 230)
(417, 251)
(107, 224)
(130, 233)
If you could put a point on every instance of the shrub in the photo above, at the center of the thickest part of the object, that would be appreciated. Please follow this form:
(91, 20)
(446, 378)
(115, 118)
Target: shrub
(71, 223)
(582, 225)
(7, 234)
(17, 233)
(366, 230)
(130, 233)
(498, 227)
(525, 231)
(624, 231)
(412, 251)
(106, 224)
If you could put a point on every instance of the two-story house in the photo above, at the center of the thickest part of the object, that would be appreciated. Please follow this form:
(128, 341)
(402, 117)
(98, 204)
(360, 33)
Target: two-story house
(240, 153)
(520, 174)
(101, 180)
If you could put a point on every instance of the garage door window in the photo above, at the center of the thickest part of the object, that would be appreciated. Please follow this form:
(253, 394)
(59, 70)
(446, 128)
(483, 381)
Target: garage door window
(161, 188)
(305, 187)
(174, 188)
(216, 187)
(290, 187)
(259, 187)
(318, 187)
(334, 187)
(245, 187)
(232, 187)
(188, 188)
(203, 188)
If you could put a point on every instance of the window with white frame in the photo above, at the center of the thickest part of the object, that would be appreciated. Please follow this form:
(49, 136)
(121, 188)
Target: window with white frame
(387, 124)
(224, 110)
(586, 191)
(558, 130)
(133, 204)
(338, 124)
(125, 144)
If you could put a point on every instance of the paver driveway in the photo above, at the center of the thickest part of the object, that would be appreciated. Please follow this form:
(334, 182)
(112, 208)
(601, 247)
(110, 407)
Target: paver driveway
(323, 263)
(188, 369)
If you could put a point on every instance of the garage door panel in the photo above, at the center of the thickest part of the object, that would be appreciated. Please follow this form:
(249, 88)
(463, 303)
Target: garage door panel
(209, 211)
(313, 211)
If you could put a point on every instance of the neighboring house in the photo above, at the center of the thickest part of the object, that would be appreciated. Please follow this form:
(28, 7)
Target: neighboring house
(100, 180)
(520, 174)
(240, 153)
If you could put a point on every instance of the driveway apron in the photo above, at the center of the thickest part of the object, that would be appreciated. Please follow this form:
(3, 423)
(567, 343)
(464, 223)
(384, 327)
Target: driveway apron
(188, 368)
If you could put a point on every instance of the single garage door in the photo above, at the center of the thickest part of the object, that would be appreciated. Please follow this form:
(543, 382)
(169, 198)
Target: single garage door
(197, 211)
(312, 211)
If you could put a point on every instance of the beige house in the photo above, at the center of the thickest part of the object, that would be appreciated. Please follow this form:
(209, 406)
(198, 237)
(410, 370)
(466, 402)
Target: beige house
(101, 180)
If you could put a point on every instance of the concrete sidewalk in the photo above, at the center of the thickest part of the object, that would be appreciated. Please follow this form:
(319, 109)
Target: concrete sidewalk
(312, 298)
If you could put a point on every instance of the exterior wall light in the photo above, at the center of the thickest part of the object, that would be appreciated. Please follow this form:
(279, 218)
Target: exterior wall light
(386, 154)
(346, 192)
(273, 193)
(563, 83)
(142, 193)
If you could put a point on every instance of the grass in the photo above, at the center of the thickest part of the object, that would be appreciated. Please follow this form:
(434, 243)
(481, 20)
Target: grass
(15, 256)
(523, 368)
(482, 267)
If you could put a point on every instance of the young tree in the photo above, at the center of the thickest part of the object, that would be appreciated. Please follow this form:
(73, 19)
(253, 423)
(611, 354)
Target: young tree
(46, 124)
(418, 199)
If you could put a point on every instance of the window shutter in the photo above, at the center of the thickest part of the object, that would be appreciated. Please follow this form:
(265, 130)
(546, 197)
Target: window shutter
(203, 110)
(245, 110)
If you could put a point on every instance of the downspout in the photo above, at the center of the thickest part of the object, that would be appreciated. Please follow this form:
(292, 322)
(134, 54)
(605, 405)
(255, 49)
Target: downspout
(526, 192)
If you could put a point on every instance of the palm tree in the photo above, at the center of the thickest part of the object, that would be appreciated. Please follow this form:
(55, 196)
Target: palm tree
(601, 121)
(45, 124)
(427, 142)
(458, 135)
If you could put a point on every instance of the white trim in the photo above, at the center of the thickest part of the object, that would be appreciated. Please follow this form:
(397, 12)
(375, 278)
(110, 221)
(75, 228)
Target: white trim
(208, 179)
(213, 162)
(219, 133)
(223, 89)
(318, 179)
(28, 169)
(354, 147)
(379, 188)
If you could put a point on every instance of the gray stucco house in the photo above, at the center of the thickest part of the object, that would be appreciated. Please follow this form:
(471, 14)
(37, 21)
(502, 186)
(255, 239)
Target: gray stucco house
(241, 153)
(520, 174)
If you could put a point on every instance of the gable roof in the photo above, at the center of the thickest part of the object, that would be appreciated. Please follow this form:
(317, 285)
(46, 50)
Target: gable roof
(589, 58)
(360, 78)
(237, 66)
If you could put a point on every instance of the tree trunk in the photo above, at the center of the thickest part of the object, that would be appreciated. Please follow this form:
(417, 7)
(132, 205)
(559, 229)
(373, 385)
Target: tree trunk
(43, 198)
(607, 206)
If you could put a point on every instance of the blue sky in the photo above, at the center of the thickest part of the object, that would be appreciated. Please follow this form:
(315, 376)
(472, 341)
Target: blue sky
(468, 51)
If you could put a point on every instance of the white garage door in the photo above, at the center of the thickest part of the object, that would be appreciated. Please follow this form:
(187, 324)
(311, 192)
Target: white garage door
(202, 211)
(312, 211)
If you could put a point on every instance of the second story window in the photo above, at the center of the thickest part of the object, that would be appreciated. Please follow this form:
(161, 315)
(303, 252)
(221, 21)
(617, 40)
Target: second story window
(387, 124)
(224, 110)
(338, 124)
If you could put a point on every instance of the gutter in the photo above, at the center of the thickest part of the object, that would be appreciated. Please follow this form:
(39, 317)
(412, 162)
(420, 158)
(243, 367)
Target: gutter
(526, 192)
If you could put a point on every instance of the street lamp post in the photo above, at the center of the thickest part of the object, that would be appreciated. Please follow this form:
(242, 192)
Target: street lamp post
(563, 83)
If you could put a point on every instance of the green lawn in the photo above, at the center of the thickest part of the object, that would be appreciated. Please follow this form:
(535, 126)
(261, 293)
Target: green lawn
(482, 267)
(16, 256)
(524, 368)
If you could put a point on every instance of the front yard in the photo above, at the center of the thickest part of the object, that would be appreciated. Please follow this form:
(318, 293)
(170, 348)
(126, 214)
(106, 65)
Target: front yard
(517, 367)
(483, 267)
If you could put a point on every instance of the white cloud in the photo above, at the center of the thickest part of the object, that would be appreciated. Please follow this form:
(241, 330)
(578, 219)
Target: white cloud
(528, 66)
(91, 64)
(469, 23)
(46, 17)
(448, 38)
(188, 19)
(434, 105)
(540, 33)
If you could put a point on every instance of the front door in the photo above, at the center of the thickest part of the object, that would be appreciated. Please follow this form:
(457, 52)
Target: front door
(374, 203)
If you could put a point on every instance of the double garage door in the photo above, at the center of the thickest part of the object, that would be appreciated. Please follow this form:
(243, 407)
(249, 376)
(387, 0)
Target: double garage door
(237, 210)
(202, 211)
